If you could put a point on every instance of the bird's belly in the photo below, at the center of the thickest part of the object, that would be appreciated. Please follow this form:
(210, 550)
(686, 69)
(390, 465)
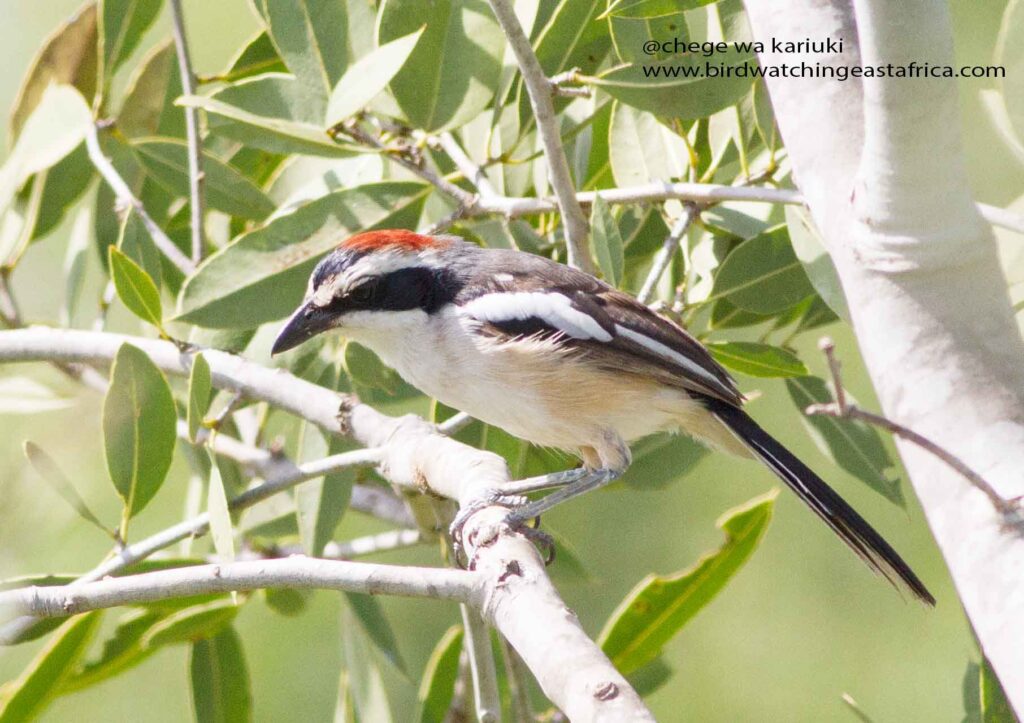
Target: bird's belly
(542, 394)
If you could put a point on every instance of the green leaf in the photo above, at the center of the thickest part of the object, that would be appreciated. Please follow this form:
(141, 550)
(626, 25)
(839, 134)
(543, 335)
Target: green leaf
(642, 150)
(630, 33)
(57, 126)
(24, 395)
(135, 242)
(757, 360)
(674, 92)
(200, 392)
(971, 691)
(659, 606)
(227, 190)
(25, 697)
(65, 183)
(135, 288)
(320, 503)
(221, 529)
(371, 617)
(366, 369)
(287, 601)
(139, 423)
(726, 315)
(607, 242)
(762, 275)
(369, 76)
(650, 676)
(148, 108)
(256, 57)
(650, 8)
(67, 57)
(220, 680)
(810, 249)
(121, 651)
(369, 693)
(44, 465)
(310, 37)
(854, 446)
(269, 112)
(438, 684)
(995, 708)
(262, 275)
(122, 25)
(452, 73)
(192, 623)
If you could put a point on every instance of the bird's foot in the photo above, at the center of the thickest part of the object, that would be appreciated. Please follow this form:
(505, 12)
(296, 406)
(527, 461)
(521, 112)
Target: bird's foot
(490, 498)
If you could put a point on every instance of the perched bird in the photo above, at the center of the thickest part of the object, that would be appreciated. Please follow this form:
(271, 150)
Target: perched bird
(554, 356)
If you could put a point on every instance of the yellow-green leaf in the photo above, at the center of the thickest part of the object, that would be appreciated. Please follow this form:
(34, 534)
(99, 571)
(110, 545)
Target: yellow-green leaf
(200, 390)
(220, 680)
(221, 529)
(607, 242)
(659, 606)
(438, 683)
(135, 288)
(44, 465)
(25, 697)
(757, 360)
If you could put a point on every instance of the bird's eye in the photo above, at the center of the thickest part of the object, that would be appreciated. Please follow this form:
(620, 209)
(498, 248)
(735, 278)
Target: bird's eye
(364, 292)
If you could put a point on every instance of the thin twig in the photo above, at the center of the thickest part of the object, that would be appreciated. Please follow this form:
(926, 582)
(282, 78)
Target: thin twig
(516, 676)
(563, 84)
(404, 158)
(195, 152)
(294, 572)
(691, 212)
(577, 229)
(469, 168)
(9, 312)
(477, 642)
(841, 408)
(125, 196)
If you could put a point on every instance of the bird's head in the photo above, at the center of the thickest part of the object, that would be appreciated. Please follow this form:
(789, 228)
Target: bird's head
(371, 281)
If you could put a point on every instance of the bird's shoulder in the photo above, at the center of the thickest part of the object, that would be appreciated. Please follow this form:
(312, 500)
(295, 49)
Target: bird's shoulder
(514, 295)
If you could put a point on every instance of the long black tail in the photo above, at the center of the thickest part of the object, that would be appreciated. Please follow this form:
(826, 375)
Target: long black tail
(829, 506)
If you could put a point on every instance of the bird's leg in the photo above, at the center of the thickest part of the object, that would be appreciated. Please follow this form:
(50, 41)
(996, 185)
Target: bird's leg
(589, 481)
(544, 481)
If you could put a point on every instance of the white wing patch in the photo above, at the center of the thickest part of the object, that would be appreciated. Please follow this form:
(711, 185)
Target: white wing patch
(655, 346)
(553, 308)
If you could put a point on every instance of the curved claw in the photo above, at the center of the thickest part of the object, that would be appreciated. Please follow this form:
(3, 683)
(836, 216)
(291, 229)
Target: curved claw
(489, 499)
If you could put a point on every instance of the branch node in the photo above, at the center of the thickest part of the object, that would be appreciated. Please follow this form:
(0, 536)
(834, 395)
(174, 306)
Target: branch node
(606, 691)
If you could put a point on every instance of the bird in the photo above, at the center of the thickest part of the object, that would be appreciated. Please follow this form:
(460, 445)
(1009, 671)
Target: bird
(554, 356)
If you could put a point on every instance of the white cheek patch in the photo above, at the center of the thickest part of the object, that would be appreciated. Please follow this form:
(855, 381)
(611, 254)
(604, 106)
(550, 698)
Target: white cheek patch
(554, 309)
(667, 353)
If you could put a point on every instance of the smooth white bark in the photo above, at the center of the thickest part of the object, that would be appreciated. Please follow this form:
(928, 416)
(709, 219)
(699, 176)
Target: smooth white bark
(880, 165)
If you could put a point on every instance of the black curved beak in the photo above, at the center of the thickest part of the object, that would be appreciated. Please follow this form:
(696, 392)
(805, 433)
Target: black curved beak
(306, 322)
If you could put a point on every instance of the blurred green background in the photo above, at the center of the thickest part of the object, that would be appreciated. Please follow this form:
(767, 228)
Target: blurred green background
(804, 622)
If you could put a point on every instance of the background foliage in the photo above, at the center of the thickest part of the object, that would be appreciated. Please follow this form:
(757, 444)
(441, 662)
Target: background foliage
(802, 623)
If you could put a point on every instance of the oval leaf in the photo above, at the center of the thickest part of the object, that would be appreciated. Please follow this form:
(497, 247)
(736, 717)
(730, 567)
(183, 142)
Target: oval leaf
(659, 606)
(810, 249)
(376, 626)
(200, 390)
(757, 360)
(854, 446)
(438, 683)
(68, 56)
(680, 87)
(225, 189)
(220, 679)
(763, 275)
(139, 423)
(607, 242)
(25, 697)
(262, 275)
(44, 465)
(221, 529)
(368, 77)
(452, 73)
(310, 36)
(135, 288)
(122, 25)
(642, 150)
